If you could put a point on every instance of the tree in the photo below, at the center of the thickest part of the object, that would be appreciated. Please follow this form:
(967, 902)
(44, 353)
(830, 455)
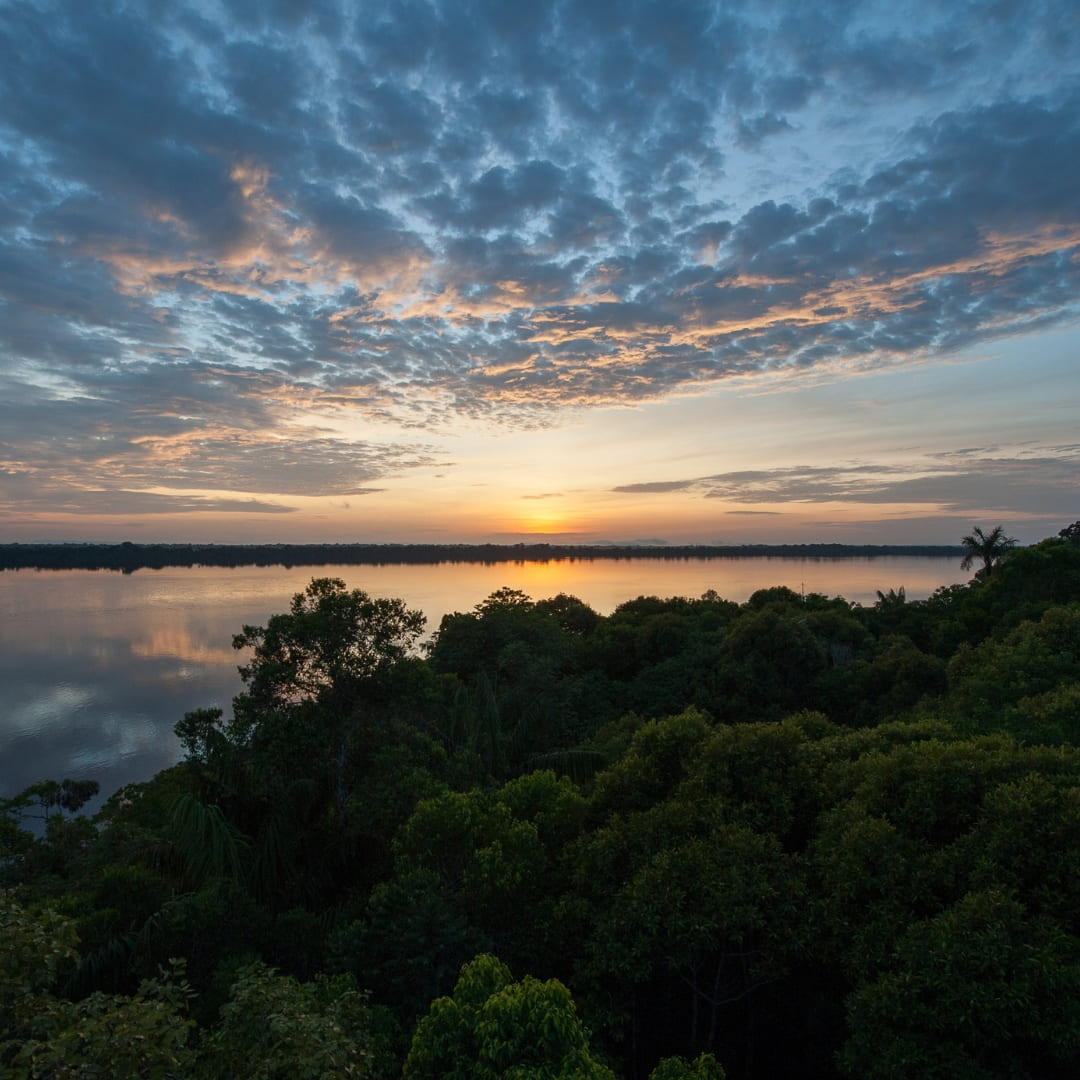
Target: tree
(330, 641)
(42, 1034)
(995, 685)
(288, 767)
(272, 1027)
(985, 989)
(492, 1027)
(275, 1027)
(704, 1067)
(515, 660)
(948, 879)
(45, 801)
(683, 895)
(990, 547)
(770, 660)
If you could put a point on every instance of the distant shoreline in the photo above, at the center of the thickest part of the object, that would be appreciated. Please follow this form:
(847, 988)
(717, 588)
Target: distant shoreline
(128, 557)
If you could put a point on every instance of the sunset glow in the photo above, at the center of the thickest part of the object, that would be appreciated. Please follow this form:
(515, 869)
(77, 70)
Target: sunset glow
(706, 273)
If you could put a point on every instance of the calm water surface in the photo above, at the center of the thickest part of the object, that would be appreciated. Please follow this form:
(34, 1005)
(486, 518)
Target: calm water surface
(96, 667)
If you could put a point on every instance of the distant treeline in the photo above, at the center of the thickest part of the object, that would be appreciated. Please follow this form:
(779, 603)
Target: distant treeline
(127, 557)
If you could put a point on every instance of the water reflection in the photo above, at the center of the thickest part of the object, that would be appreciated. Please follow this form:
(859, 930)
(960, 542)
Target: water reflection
(182, 644)
(97, 667)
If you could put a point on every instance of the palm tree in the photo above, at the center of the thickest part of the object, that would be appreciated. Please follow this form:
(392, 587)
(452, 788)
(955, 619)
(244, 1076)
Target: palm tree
(991, 547)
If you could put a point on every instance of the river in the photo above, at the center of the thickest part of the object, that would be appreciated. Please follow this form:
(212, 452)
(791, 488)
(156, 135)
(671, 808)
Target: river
(96, 667)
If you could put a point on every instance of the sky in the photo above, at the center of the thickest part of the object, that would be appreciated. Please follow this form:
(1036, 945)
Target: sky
(581, 272)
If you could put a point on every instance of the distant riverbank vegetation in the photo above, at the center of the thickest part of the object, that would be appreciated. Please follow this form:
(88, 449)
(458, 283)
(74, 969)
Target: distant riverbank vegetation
(128, 557)
(688, 840)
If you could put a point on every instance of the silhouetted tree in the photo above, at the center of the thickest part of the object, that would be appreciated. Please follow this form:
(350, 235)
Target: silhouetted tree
(990, 547)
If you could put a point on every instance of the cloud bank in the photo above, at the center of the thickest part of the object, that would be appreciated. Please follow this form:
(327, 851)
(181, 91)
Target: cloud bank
(971, 480)
(222, 221)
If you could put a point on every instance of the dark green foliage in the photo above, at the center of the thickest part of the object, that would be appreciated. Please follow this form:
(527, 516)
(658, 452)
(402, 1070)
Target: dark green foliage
(1007, 683)
(897, 678)
(325, 751)
(981, 990)
(277, 1028)
(272, 1025)
(771, 660)
(794, 836)
(42, 1034)
(492, 1027)
(682, 892)
(323, 650)
(703, 1067)
(930, 896)
(411, 943)
(516, 661)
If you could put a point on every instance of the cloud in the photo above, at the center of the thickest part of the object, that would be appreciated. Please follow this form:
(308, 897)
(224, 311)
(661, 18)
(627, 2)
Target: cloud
(438, 212)
(958, 481)
(21, 495)
(656, 487)
(190, 428)
(754, 130)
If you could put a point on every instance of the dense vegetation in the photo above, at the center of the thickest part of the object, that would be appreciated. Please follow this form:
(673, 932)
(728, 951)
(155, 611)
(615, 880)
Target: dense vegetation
(789, 837)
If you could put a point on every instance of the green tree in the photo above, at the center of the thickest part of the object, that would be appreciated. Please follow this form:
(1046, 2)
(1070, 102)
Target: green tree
(683, 896)
(412, 943)
(45, 801)
(276, 1028)
(947, 880)
(703, 1067)
(982, 990)
(1001, 683)
(896, 678)
(297, 768)
(989, 547)
(771, 660)
(44, 1035)
(515, 660)
(495, 854)
(331, 641)
(492, 1028)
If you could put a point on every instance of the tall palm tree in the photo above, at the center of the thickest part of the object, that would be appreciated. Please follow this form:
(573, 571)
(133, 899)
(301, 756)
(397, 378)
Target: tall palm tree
(991, 547)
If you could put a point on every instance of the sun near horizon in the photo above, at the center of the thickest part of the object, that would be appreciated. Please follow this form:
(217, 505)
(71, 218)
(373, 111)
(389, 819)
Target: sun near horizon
(545, 275)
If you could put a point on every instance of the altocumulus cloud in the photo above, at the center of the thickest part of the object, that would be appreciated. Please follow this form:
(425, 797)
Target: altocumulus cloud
(229, 216)
(959, 482)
